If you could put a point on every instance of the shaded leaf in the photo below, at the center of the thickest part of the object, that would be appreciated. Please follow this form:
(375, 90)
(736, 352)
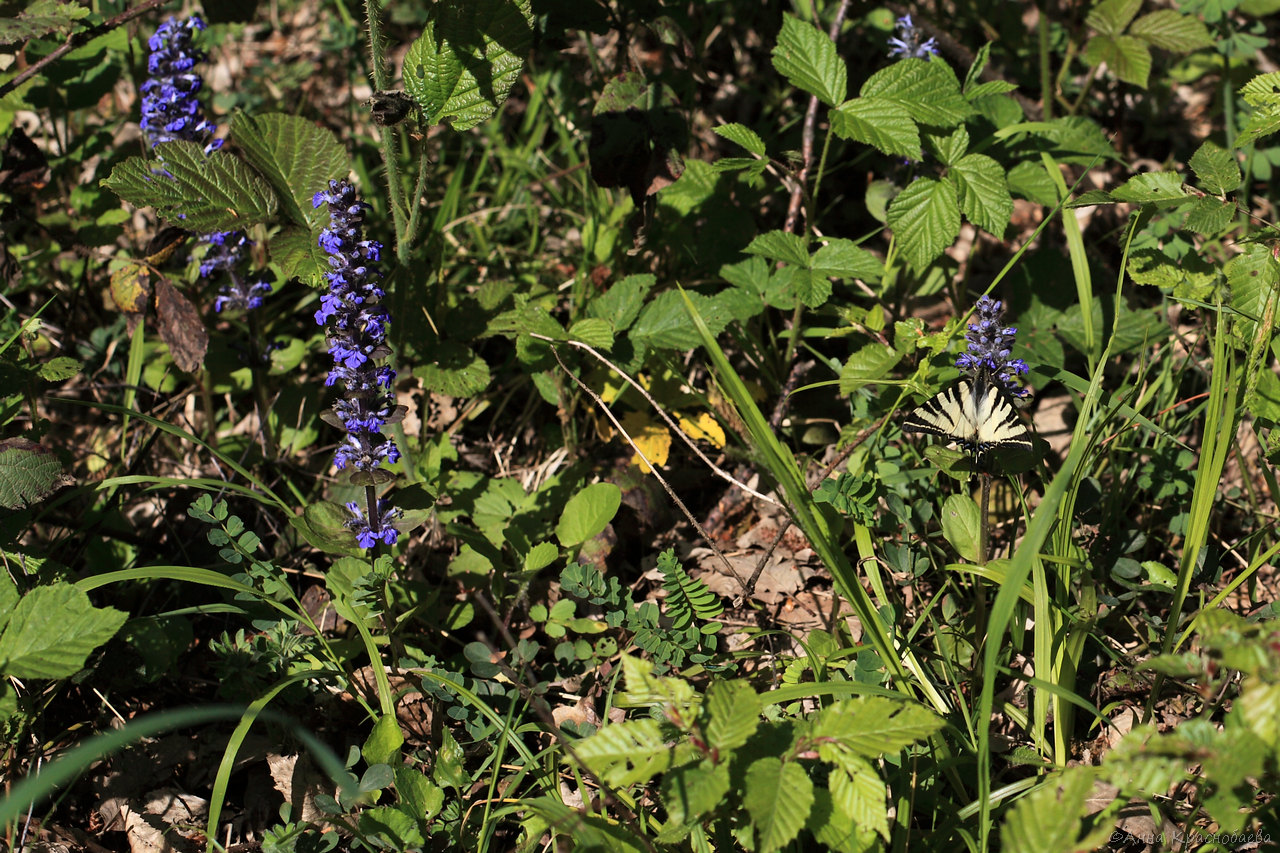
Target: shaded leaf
(180, 327)
(29, 473)
(297, 156)
(587, 513)
(52, 630)
(778, 797)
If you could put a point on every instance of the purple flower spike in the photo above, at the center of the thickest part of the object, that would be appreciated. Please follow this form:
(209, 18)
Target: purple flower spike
(356, 325)
(990, 345)
(907, 41)
(170, 110)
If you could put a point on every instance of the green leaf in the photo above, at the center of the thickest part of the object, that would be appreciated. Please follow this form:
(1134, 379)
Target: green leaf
(419, 793)
(1210, 216)
(29, 473)
(808, 59)
(1216, 168)
(925, 219)
(664, 323)
(1110, 17)
(59, 369)
(215, 193)
(1173, 31)
(1032, 182)
(540, 556)
(872, 726)
(778, 797)
(1127, 57)
(51, 631)
(859, 792)
(869, 364)
(743, 136)
(881, 123)
(587, 513)
(733, 708)
(960, 523)
(1051, 818)
(41, 18)
(382, 746)
(621, 303)
(593, 331)
(8, 598)
(297, 156)
(297, 251)
(695, 790)
(842, 258)
(984, 197)
(1163, 189)
(1263, 94)
(812, 290)
(780, 246)
(454, 370)
(626, 753)
(390, 827)
(929, 91)
(467, 59)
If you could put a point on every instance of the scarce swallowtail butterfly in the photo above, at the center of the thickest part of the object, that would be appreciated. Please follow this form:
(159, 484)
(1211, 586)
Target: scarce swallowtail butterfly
(976, 413)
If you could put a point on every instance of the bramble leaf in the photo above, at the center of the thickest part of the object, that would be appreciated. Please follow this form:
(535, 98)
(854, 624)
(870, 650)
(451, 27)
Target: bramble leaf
(297, 156)
(878, 122)
(51, 631)
(929, 91)
(808, 59)
(925, 219)
(984, 196)
(778, 796)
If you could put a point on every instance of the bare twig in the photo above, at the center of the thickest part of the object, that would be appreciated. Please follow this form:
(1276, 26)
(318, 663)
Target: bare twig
(608, 413)
(76, 40)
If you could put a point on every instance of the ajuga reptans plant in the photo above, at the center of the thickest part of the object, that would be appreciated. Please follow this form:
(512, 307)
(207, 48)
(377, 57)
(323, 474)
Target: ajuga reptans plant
(355, 324)
(990, 345)
(907, 41)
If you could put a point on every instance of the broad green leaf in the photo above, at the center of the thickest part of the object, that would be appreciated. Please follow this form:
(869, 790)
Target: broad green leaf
(1216, 168)
(1259, 709)
(593, 331)
(664, 324)
(1110, 17)
(695, 790)
(949, 148)
(453, 369)
(1127, 57)
(960, 524)
(626, 753)
(29, 473)
(1051, 818)
(808, 59)
(297, 250)
(540, 556)
(1163, 189)
(1210, 216)
(390, 827)
(8, 597)
(834, 829)
(41, 18)
(468, 57)
(219, 192)
(742, 135)
(842, 258)
(870, 363)
(423, 796)
(1032, 182)
(925, 219)
(621, 303)
(778, 797)
(881, 123)
(984, 197)
(929, 91)
(780, 246)
(587, 513)
(382, 746)
(873, 726)
(859, 792)
(733, 709)
(1263, 90)
(51, 631)
(297, 156)
(812, 290)
(1173, 31)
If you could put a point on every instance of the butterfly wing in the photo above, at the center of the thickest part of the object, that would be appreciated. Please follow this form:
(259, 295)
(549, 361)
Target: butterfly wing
(975, 413)
(997, 422)
(951, 414)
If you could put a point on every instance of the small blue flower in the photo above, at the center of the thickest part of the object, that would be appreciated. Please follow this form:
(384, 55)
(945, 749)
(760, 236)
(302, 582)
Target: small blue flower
(242, 293)
(990, 345)
(170, 110)
(356, 324)
(907, 41)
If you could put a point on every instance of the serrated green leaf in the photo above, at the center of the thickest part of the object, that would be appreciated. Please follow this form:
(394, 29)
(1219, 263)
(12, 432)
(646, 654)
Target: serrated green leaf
(1110, 17)
(626, 753)
(929, 91)
(841, 258)
(960, 524)
(593, 331)
(29, 473)
(621, 303)
(51, 631)
(949, 148)
(742, 135)
(297, 156)
(58, 369)
(809, 60)
(297, 251)
(812, 290)
(219, 192)
(1163, 189)
(587, 513)
(870, 363)
(1210, 216)
(1263, 122)
(1252, 277)
(989, 88)
(859, 792)
(453, 369)
(984, 197)
(780, 246)
(1127, 57)
(695, 790)
(733, 710)
(664, 323)
(881, 123)
(1051, 818)
(925, 218)
(1173, 31)
(1032, 182)
(1216, 168)
(41, 18)
(1263, 90)
(873, 726)
(778, 797)
(468, 57)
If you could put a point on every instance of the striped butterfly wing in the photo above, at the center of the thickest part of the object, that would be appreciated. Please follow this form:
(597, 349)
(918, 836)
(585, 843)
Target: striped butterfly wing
(975, 413)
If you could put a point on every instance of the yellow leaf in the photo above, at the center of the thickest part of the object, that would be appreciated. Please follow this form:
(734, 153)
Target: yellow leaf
(652, 438)
(705, 428)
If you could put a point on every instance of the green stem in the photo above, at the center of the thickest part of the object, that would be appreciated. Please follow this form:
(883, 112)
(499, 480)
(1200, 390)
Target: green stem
(390, 156)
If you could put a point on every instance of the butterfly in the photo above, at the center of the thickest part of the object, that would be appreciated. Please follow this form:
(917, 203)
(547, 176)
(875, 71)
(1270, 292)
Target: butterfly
(976, 413)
